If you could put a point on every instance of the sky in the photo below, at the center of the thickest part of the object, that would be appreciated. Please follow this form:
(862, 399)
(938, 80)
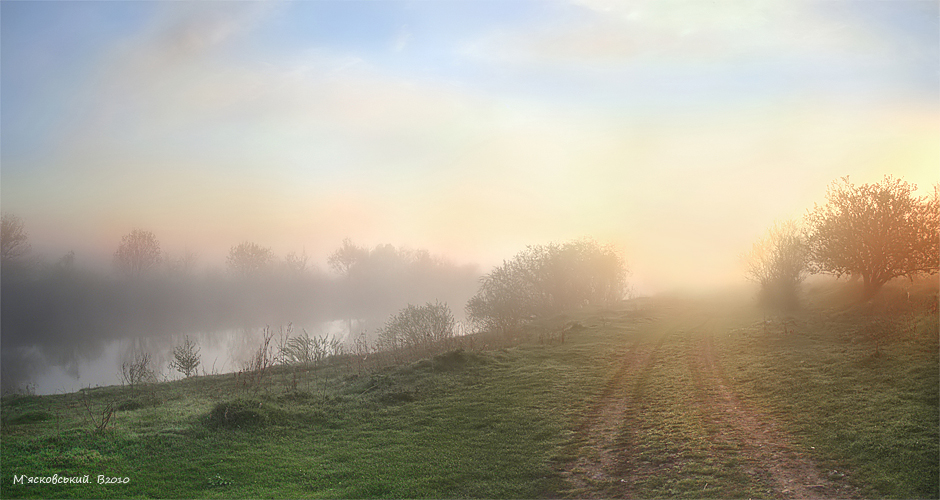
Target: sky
(677, 130)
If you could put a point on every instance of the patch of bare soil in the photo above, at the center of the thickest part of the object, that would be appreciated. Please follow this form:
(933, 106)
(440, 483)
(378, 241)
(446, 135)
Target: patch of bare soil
(764, 448)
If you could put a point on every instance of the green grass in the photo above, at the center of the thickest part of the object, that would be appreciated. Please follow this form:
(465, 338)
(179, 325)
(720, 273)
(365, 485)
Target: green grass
(859, 388)
(674, 440)
(503, 423)
(462, 424)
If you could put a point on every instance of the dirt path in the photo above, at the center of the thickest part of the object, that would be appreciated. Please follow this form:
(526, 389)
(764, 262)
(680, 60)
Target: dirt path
(593, 475)
(765, 448)
(611, 466)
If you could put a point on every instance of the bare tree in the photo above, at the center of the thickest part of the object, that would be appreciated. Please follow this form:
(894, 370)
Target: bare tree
(250, 259)
(878, 231)
(138, 254)
(778, 262)
(13, 240)
(181, 266)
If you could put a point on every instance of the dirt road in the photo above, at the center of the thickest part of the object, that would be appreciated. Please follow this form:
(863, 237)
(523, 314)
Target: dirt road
(668, 423)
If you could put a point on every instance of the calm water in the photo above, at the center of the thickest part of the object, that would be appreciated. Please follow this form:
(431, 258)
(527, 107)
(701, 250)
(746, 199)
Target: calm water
(220, 352)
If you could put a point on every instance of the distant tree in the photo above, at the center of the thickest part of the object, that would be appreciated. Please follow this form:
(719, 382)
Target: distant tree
(181, 266)
(416, 326)
(778, 262)
(345, 257)
(13, 241)
(65, 266)
(250, 259)
(342, 261)
(138, 254)
(186, 358)
(295, 265)
(878, 231)
(544, 280)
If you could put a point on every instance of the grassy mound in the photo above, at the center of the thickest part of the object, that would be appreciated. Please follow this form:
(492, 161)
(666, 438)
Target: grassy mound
(138, 402)
(245, 414)
(450, 361)
(29, 417)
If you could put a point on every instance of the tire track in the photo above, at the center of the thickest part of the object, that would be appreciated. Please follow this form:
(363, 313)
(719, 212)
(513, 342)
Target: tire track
(611, 434)
(597, 474)
(764, 447)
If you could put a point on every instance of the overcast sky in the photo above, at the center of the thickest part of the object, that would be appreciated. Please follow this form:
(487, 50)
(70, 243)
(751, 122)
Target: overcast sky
(678, 130)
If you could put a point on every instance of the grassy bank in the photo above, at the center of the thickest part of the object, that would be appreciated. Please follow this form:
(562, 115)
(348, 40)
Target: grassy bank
(462, 424)
(857, 389)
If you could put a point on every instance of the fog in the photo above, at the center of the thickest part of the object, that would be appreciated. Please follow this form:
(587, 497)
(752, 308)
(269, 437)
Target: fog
(677, 131)
(68, 317)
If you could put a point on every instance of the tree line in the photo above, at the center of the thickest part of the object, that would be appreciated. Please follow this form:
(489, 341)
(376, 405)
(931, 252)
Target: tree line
(70, 313)
(872, 232)
(60, 312)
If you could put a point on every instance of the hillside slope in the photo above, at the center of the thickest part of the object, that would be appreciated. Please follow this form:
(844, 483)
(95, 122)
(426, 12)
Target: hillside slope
(678, 397)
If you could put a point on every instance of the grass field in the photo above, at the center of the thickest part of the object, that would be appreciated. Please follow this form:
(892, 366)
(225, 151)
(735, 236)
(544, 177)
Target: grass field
(671, 397)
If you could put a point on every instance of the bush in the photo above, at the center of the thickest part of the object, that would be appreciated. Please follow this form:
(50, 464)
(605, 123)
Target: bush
(545, 280)
(778, 262)
(138, 370)
(143, 401)
(306, 350)
(416, 326)
(260, 361)
(186, 358)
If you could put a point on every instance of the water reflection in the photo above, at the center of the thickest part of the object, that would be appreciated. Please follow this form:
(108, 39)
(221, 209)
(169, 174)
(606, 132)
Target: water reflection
(220, 352)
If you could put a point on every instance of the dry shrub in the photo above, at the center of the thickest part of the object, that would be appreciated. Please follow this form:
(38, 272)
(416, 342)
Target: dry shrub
(138, 370)
(260, 362)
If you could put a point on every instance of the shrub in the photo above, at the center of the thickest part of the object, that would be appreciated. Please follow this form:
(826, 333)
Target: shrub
(778, 262)
(416, 326)
(247, 413)
(138, 370)
(136, 403)
(261, 360)
(454, 360)
(545, 280)
(306, 350)
(186, 358)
